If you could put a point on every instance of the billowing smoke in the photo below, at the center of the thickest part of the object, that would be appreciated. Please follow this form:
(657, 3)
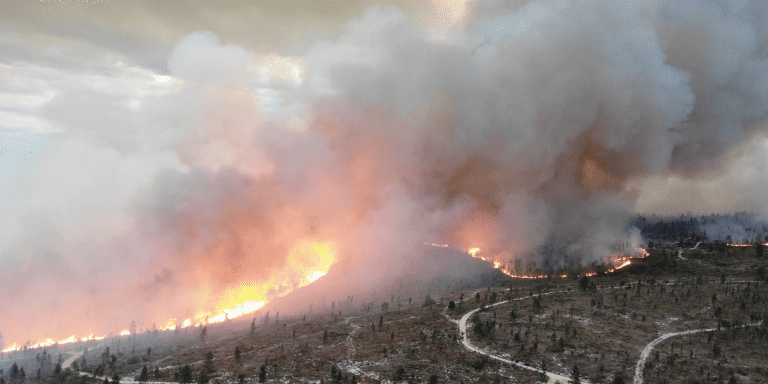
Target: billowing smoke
(524, 131)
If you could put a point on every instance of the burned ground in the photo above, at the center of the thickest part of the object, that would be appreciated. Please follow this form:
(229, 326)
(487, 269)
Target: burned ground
(599, 324)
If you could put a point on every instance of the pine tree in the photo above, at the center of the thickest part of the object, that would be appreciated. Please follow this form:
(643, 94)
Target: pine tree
(208, 366)
(14, 373)
(186, 374)
(262, 374)
(144, 375)
(575, 375)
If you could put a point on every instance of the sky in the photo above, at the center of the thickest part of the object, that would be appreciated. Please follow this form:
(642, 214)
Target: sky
(194, 156)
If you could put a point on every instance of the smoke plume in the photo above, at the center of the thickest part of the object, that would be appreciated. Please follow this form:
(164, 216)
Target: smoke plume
(523, 130)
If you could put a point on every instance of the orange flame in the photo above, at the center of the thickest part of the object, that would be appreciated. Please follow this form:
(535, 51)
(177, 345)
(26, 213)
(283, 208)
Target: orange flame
(307, 262)
(618, 262)
(744, 245)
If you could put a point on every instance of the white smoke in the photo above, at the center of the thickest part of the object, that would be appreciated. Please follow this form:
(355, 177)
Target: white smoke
(524, 132)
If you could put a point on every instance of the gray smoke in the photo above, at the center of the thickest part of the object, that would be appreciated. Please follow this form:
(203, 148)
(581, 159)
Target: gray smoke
(523, 132)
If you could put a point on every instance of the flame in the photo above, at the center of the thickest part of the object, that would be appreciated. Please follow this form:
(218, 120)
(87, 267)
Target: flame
(618, 262)
(307, 262)
(312, 277)
(744, 245)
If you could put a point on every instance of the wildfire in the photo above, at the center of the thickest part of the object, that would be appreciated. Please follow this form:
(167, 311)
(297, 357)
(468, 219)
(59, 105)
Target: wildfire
(744, 245)
(307, 262)
(618, 262)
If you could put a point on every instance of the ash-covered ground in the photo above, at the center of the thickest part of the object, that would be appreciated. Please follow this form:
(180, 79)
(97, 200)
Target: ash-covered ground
(598, 325)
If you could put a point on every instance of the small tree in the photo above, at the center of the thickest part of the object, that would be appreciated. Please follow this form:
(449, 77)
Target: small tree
(208, 367)
(433, 379)
(144, 376)
(186, 375)
(237, 354)
(584, 283)
(575, 375)
(203, 332)
(14, 373)
(399, 373)
(451, 305)
(262, 373)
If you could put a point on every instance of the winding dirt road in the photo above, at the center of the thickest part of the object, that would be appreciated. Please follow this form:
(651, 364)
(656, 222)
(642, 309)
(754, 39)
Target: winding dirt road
(648, 348)
(554, 378)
